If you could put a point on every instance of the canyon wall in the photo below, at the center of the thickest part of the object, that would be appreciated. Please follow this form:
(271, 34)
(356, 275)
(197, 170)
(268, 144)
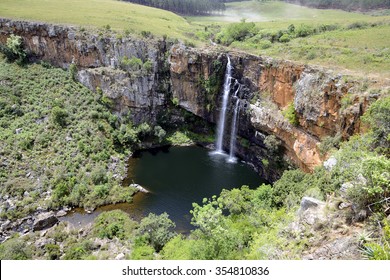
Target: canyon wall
(141, 75)
(268, 88)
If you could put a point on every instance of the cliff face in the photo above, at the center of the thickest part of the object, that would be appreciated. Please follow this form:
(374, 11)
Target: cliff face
(103, 61)
(139, 77)
(268, 88)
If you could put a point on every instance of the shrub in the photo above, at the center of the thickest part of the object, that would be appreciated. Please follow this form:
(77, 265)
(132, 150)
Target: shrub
(112, 224)
(157, 230)
(378, 117)
(304, 30)
(53, 251)
(59, 116)
(13, 50)
(148, 66)
(99, 175)
(159, 132)
(272, 143)
(237, 32)
(73, 72)
(285, 38)
(290, 114)
(133, 63)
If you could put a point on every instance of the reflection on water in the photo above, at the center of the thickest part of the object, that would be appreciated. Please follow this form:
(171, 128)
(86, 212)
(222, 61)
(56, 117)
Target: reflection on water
(176, 177)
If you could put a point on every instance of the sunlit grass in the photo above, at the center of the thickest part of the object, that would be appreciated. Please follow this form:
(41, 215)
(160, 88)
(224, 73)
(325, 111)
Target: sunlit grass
(97, 13)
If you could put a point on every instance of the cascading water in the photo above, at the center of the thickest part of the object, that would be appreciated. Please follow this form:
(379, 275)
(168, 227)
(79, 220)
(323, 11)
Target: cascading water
(222, 115)
(233, 132)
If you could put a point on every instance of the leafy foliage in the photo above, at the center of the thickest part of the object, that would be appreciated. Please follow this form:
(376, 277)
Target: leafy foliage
(14, 50)
(114, 224)
(157, 230)
(15, 249)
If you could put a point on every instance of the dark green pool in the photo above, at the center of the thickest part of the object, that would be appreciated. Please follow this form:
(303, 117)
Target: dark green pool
(176, 177)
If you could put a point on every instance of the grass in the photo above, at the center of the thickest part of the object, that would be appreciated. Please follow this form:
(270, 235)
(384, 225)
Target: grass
(97, 13)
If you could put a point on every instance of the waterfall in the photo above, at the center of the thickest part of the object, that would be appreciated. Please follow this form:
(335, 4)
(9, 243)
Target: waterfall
(222, 115)
(233, 132)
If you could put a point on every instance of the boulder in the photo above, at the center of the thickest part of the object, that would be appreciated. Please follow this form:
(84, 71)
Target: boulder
(309, 202)
(61, 213)
(330, 163)
(44, 221)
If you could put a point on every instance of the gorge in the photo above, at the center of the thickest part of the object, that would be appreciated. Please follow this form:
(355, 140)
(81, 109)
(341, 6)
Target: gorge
(273, 114)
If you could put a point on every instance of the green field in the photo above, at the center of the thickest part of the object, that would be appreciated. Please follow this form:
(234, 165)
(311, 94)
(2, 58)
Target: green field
(97, 13)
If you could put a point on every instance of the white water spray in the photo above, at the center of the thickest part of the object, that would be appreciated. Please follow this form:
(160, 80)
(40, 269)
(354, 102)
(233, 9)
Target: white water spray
(222, 115)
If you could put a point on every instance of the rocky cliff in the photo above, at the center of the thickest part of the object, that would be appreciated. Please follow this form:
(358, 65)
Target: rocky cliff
(130, 71)
(140, 78)
(268, 88)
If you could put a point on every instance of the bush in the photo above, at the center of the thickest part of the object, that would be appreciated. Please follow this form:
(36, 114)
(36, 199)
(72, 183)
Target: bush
(99, 175)
(272, 143)
(378, 117)
(290, 114)
(289, 189)
(73, 72)
(133, 63)
(59, 116)
(285, 38)
(304, 30)
(13, 50)
(53, 251)
(160, 133)
(237, 32)
(157, 230)
(112, 224)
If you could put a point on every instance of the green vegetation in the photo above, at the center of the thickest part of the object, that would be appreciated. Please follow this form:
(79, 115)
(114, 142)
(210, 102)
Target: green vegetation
(290, 114)
(58, 131)
(97, 13)
(114, 224)
(327, 37)
(14, 49)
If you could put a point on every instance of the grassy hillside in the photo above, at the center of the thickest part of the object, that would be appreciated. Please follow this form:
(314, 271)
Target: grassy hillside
(57, 142)
(98, 13)
(335, 38)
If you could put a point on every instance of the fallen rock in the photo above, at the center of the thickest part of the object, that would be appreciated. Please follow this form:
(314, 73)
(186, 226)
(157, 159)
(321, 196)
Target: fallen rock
(44, 221)
(139, 188)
